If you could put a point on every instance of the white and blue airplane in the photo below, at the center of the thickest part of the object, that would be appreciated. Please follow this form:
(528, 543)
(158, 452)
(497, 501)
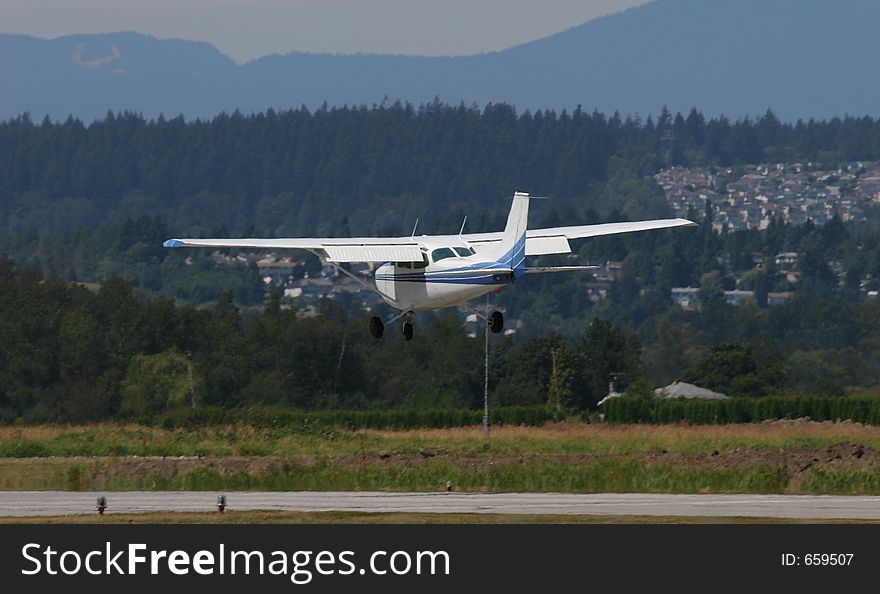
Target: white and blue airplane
(434, 271)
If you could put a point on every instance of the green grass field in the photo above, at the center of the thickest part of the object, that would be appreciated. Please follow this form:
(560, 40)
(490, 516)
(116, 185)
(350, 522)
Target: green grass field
(613, 475)
(112, 439)
(773, 457)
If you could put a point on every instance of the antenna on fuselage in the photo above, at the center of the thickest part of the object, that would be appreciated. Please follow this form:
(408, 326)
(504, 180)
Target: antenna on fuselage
(416, 226)
(460, 231)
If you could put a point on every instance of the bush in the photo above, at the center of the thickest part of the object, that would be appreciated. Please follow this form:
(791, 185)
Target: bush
(742, 410)
(22, 448)
(278, 417)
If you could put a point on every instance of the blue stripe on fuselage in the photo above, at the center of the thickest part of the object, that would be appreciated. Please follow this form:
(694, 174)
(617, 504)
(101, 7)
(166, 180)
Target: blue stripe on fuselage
(517, 253)
(452, 279)
(476, 280)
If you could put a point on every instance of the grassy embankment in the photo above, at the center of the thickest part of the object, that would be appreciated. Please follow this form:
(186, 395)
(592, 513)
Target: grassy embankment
(779, 457)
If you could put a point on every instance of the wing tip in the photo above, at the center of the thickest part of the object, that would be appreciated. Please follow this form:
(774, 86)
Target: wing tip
(172, 243)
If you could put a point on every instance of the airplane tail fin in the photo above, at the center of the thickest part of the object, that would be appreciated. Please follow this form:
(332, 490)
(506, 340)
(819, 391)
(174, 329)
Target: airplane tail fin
(513, 242)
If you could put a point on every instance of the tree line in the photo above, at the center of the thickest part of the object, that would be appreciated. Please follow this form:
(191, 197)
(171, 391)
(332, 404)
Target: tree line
(71, 353)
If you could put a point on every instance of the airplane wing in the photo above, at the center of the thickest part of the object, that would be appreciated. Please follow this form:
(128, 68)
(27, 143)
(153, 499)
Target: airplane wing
(539, 242)
(354, 249)
(554, 240)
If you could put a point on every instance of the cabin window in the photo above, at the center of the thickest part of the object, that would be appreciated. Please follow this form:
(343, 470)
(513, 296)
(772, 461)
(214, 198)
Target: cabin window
(422, 264)
(442, 254)
(464, 252)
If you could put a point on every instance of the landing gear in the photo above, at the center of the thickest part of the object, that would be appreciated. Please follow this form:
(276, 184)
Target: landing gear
(377, 328)
(495, 321)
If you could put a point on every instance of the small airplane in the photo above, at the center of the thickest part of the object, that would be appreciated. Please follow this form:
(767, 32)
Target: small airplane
(436, 271)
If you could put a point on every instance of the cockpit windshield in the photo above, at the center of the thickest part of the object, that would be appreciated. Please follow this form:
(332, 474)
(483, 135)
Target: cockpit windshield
(464, 252)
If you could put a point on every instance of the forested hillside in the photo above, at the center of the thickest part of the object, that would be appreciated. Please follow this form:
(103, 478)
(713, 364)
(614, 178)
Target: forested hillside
(374, 171)
(88, 203)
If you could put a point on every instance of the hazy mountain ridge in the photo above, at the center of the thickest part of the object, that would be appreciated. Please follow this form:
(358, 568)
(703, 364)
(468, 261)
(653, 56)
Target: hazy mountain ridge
(803, 58)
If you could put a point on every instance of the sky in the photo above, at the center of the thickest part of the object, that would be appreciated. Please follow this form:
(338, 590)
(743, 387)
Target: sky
(247, 29)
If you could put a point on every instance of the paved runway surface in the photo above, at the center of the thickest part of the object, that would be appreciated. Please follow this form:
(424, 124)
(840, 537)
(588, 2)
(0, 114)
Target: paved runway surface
(54, 503)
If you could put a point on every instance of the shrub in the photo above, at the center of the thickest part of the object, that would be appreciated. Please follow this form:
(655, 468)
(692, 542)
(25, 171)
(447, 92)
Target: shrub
(308, 421)
(742, 409)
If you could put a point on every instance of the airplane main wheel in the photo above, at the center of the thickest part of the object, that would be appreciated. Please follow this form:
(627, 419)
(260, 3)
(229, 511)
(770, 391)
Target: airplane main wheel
(377, 328)
(496, 322)
(407, 330)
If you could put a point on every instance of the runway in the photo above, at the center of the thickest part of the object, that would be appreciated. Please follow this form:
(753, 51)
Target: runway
(805, 507)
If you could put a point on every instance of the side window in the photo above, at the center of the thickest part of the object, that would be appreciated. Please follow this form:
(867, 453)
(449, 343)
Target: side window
(423, 263)
(442, 254)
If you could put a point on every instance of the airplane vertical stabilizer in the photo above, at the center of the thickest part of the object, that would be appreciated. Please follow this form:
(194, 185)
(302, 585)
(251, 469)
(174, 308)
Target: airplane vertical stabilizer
(513, 242)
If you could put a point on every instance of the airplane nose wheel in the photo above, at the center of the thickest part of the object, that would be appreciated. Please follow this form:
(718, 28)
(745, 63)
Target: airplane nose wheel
(376, 327)
(407, 330)
(495, 321)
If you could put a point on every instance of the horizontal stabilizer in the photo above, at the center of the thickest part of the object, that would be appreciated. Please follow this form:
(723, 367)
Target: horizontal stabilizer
(542, 269)
(552, 244)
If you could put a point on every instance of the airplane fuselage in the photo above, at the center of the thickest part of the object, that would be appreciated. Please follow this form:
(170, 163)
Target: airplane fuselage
(418, 291)
(440, 280)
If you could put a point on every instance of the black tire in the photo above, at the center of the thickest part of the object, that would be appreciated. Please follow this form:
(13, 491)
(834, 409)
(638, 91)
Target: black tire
(407, 330)
(377, 328)
(496, 322)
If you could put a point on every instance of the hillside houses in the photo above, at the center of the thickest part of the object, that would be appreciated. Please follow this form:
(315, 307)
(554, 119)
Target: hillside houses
(747, 197)
(688, 297)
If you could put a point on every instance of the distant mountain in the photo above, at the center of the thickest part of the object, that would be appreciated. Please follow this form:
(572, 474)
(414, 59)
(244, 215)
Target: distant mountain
(802, 58)
(86, 75)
